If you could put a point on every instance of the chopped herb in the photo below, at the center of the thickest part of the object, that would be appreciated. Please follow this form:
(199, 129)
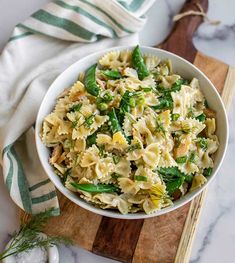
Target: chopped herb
(192, 157)
(68, 144)
(177, 85)
(133, 147)
(104, 128)
(140, 178)
(116, 159)
(74, 124)
(91, 139)
(89, 121)
(175, 116)
(201, 117)
(112, 74)
(159, 127)
(102, 153)
(164, 103)
(75, 107)
(203, 143)
(181, 159)
(207, 171)
(116, 175)
(190, 113)
(146, 89)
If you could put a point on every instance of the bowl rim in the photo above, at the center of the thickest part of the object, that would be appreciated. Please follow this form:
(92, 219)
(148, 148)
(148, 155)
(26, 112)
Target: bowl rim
(141, 215)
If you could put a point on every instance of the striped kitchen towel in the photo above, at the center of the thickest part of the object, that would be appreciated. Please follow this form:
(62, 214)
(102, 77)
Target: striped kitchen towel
(39, 50)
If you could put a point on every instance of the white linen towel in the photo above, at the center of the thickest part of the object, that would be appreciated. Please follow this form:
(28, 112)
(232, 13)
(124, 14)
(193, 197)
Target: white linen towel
(39, 50)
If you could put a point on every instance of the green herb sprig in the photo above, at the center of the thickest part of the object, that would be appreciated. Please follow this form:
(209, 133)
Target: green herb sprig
(28, 238)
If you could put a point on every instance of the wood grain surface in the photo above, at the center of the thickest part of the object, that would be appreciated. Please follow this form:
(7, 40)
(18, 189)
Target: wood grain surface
(163, 239)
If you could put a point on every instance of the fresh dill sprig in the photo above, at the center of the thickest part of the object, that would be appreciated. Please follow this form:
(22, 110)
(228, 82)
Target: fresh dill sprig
(28, 237)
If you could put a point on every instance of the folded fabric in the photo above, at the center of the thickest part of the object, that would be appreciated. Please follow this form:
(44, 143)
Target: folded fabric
(39, 50)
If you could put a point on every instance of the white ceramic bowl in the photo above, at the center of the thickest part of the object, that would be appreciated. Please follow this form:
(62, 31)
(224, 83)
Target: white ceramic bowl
(181, 67)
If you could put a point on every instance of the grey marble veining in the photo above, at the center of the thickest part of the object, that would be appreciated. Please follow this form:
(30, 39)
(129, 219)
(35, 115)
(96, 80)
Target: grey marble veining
(215, 238)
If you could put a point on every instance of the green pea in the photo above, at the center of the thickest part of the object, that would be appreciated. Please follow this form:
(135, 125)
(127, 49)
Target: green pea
(90, 81)
(175, 116)
(132, 102)
(102, 106)
(107, 97)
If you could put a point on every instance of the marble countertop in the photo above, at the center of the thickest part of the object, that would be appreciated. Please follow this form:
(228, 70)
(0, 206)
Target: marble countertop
(215, 238)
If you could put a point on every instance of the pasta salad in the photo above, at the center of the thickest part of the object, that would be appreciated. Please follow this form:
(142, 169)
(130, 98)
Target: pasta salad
(131, 134)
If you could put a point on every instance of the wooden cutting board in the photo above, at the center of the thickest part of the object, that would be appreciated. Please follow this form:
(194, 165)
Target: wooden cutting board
(163, 239)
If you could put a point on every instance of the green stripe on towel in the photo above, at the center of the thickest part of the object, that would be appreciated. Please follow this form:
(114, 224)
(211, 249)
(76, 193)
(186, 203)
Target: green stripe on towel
(63, 23)
(22, 183)
(9, 173)
(6, 149)
(43, 198)
(20, 36)
(36, 186)
(81, 11)
(106, 14)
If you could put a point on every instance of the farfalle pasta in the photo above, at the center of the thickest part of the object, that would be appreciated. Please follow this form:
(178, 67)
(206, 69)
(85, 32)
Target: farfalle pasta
(131, 135)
